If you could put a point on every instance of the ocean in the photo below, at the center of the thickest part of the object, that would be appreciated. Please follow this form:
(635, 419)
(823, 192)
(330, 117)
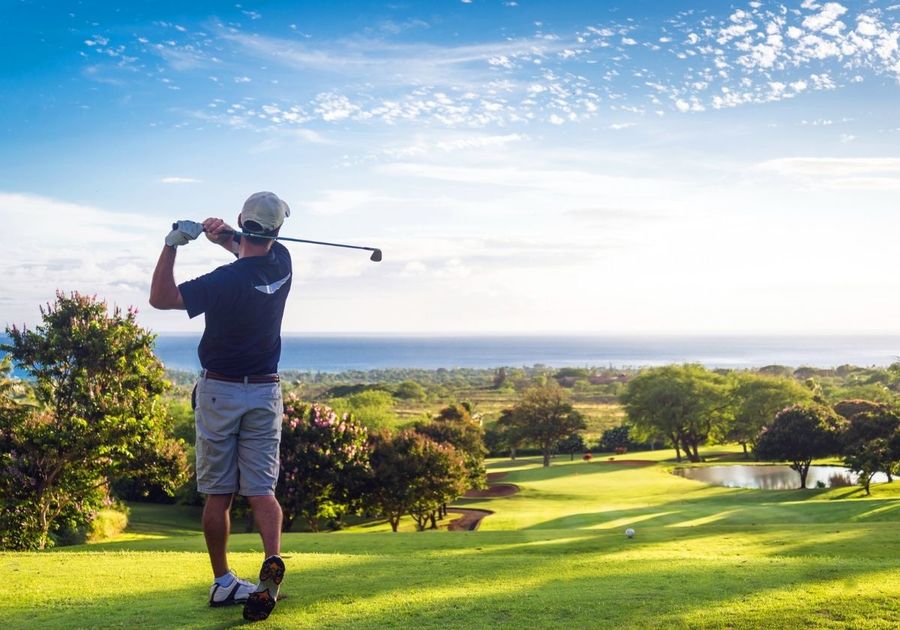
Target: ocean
(336, 353)
(331, 353)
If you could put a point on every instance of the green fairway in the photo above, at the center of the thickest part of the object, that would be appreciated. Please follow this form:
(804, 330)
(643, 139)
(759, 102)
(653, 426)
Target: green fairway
(551, 556)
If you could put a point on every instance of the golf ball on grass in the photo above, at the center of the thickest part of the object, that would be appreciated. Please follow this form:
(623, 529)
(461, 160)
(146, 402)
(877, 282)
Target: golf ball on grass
(629, 532)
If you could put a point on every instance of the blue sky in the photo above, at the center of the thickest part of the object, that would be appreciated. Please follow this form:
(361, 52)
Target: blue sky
(526, 166)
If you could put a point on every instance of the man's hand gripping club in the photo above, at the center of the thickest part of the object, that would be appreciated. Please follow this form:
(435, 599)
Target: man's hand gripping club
(183, 232)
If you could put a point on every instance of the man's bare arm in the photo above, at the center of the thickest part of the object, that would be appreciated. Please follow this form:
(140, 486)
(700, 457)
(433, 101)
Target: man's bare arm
(221, 233)
(164, 293)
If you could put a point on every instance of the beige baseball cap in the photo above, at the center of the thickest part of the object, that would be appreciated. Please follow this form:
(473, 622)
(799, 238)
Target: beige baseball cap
(266, 210)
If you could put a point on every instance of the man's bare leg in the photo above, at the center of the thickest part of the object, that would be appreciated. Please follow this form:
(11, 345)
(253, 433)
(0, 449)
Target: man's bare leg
(267, 515)
(216, 527)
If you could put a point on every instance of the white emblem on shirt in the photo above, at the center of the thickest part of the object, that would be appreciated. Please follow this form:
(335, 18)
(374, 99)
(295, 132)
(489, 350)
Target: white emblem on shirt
(269, 289)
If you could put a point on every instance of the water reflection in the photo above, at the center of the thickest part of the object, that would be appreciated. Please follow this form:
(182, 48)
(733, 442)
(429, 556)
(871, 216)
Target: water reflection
(773, 477)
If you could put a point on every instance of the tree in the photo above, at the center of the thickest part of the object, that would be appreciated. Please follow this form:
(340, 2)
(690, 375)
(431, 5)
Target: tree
(757, 399)
(499, 380)
(568, 377)
(493, 440)
(98, 385)
(410, 390)
(615, 438)
(442, 477)
(850, 408)
(324, 464)
(544, 416)
(372, 407)
(866, 442)
(894, 446)
(798, 435)
(412, 474)
(509, 432)
(454, 426)
(683, 403)
(572, 444)
(457, 412)
(867, 458)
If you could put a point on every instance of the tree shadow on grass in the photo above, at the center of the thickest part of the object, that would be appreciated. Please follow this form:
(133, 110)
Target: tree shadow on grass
(519, 462)
(473, 580)
(570, 470)
(737, 508)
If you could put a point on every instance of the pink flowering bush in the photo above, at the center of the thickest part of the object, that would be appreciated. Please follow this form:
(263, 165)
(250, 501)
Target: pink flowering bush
(324, 464)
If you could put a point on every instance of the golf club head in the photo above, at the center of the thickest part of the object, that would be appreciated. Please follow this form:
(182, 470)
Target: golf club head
(376, 256)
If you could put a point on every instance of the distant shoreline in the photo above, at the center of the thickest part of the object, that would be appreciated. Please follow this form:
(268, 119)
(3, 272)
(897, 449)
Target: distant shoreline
(343, 353)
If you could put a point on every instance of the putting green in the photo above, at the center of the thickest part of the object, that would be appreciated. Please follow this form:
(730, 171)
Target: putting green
(553, 555)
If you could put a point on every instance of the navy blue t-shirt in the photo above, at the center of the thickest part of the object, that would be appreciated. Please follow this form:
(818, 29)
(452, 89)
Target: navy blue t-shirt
(244, 304)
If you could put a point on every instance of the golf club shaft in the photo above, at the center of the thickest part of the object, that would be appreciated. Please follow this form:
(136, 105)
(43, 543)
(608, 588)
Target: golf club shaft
(376, 253)
(303, 240)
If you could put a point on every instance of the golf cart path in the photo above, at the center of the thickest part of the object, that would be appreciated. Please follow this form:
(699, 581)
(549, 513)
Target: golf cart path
(469, 520)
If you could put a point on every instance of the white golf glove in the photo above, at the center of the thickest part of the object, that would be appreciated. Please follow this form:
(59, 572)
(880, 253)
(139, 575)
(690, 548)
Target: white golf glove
(183, 232)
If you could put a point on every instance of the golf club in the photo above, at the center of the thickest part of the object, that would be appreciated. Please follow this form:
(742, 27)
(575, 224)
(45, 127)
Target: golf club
(375, 257)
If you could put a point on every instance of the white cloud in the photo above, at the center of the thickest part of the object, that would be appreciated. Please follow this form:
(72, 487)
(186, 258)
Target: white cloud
(829, 13)
(313, 137)
(429, 145)
(879, 173)
(583, 186)
(335, 202)
(332, 107)
(500, 60)
(734, 58)
(74, 247)
(377, 61)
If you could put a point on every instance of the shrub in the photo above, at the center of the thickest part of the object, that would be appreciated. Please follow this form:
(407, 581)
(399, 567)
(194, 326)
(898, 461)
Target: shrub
(107, 523)
(410, 390)
(98, 416)
(324, 463)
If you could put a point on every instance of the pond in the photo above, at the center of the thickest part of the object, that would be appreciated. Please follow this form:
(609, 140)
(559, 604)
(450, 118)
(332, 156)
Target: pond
(772, 477)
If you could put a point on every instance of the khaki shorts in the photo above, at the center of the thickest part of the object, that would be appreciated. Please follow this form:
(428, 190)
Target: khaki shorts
(238, 435)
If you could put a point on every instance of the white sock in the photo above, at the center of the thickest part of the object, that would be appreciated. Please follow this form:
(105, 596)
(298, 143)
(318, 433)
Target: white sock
(225, 580)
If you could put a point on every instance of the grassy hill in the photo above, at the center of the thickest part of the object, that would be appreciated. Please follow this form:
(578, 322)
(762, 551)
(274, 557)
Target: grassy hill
(551, 556)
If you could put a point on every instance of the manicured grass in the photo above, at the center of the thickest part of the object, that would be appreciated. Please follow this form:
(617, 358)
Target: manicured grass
(552, 556)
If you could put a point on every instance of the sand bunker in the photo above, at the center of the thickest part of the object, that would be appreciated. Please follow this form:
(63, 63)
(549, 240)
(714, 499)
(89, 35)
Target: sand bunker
(469, 521)
(493, 491)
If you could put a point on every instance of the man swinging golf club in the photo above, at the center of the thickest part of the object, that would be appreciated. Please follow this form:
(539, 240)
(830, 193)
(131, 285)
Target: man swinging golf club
(237, 400)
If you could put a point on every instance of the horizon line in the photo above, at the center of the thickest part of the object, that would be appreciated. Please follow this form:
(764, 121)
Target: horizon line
(804, 334)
